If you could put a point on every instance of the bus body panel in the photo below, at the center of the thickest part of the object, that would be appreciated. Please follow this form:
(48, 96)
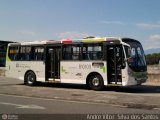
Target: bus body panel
(77, 71)
(18, 69)
(124, 77)
(129, 77)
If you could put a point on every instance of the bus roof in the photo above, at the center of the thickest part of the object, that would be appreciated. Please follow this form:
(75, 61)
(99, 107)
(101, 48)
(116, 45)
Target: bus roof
(67, 41)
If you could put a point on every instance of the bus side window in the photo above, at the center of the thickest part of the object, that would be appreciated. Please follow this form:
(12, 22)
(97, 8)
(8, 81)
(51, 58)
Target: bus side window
(38, 53)
(86, 56)
(71, 52)
(67, 56)
(92, 52)
(25, 53)
(13, 53)
(76, 51)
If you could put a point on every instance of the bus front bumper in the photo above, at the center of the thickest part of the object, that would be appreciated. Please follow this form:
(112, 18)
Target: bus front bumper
(141, 80)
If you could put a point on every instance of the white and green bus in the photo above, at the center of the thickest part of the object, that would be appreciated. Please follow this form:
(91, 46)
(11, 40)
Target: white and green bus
(96, 62)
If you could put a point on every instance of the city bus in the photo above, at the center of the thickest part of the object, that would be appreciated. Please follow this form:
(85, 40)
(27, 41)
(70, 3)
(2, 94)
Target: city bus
(95, 62)
(3, 50)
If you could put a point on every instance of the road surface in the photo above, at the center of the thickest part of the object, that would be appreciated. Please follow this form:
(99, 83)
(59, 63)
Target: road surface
(72, 101)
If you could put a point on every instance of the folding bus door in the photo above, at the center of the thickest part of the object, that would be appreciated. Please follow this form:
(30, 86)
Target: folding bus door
(53, 63)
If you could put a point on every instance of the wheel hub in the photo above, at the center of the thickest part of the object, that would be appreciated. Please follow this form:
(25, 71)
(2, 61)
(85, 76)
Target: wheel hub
(30, 79)
(95, 82)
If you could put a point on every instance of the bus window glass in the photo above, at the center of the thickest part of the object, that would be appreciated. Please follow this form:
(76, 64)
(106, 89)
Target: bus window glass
(139, 51)
(38, 53)
(71, 52)
(133, 51)
(13, 53)
(92, 52)
(67, 53)
(76, 52)
(25, 53)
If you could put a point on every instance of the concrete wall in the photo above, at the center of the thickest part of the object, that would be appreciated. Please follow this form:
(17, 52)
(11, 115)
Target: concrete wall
(2, 72)
(153, 74)
(153, 69)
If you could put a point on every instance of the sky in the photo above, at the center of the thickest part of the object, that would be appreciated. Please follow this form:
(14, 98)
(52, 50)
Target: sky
(32, 20)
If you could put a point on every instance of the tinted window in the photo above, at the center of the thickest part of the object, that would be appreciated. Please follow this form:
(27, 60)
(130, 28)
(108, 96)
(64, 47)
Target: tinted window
(38, 53)
(13, 52)
(25, 53)
(71, 52)
(92, 52)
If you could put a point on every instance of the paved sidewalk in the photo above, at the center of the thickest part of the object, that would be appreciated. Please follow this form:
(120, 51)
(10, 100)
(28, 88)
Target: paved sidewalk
(143, 97)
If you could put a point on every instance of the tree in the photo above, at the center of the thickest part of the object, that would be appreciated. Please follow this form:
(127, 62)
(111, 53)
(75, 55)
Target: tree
(152, 59)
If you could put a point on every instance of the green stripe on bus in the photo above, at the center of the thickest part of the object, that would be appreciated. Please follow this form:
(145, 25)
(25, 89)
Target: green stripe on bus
(8, 59)
(103, 69)
(62, 69)
(93, 40)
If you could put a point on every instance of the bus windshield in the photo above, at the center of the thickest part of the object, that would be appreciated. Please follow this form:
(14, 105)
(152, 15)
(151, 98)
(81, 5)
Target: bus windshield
(135, 55)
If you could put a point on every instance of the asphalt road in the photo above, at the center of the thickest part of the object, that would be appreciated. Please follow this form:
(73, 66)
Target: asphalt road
(18, 105)
(29, 105)
(64, 99)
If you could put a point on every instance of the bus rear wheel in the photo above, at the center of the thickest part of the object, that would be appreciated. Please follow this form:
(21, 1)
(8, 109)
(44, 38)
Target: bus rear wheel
(30, 79)
(96, 82)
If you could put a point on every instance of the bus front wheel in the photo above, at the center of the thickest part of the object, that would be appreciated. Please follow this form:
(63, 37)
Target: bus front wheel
(30, 79)
(96, 82)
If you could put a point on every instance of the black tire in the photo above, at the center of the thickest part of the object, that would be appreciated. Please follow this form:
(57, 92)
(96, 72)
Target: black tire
(96, 82)
(30, 79)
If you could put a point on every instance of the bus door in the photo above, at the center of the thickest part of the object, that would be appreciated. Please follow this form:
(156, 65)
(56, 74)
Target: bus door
(53, 63)
(114, 63)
